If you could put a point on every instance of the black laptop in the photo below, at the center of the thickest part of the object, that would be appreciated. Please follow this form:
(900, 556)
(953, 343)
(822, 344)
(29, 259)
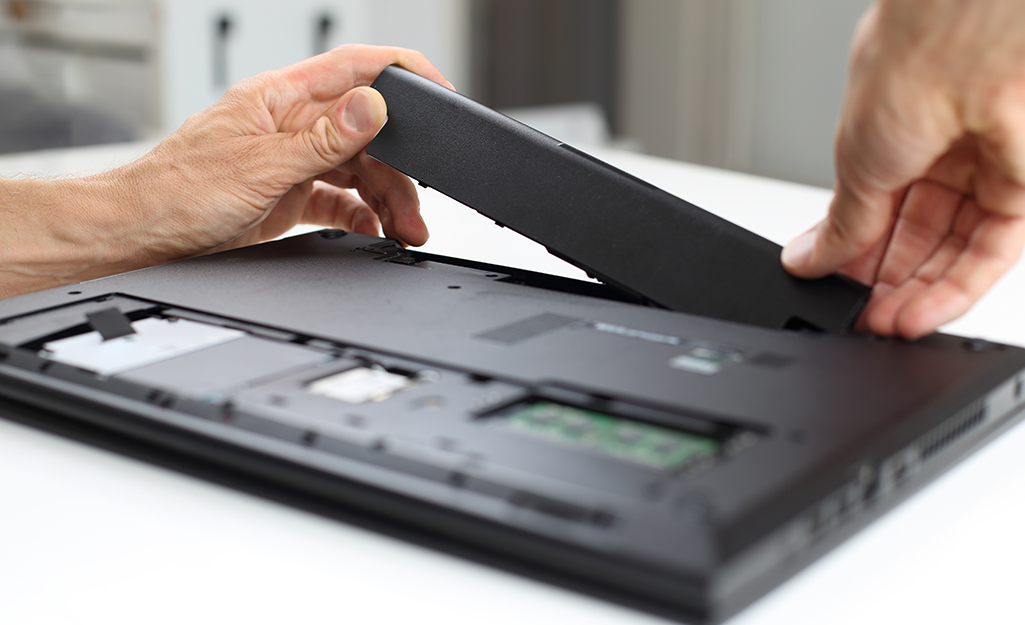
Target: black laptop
(596, 435)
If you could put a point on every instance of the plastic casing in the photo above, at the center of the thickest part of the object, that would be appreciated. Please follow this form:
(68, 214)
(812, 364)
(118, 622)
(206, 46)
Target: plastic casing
(843, 427)
(619, 229)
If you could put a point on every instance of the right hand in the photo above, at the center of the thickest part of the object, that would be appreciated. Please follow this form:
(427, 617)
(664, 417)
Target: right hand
(930, 157)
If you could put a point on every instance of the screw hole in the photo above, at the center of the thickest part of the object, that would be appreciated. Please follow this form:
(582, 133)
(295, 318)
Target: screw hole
(74, 292)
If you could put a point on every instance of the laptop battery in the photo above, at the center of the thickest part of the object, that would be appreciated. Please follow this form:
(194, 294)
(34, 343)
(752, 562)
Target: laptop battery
(621, 230)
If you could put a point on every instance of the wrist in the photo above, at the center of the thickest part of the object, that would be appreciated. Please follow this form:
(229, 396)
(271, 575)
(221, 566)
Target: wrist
(56, 232)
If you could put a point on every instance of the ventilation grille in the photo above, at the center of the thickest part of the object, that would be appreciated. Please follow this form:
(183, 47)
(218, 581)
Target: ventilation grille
(850, 500)
(953, 429)
(527, 328)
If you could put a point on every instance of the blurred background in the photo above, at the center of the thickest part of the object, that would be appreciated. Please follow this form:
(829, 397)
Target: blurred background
(750, 85)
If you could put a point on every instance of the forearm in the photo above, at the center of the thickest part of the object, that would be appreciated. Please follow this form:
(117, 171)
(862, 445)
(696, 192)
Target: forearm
(241, 172)
(55, 232)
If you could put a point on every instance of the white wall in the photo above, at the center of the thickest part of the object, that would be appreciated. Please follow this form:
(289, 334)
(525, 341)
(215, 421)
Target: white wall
(83, 54)
(752, 85)
(438, 28)
(800, 68)
(176, 51)
(268, 34)
(265, 34)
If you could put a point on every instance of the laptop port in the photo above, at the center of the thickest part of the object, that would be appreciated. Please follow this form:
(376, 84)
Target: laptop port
(898, 469)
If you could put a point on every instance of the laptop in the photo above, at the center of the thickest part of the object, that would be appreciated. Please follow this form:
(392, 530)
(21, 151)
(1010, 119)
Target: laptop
(585, 433)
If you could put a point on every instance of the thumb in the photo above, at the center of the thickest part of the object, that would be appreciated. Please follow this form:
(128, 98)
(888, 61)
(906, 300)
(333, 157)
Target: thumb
(855, 225)
(339, 134)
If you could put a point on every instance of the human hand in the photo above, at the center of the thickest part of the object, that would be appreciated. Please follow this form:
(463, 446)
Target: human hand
(930, 158)
(277, 150)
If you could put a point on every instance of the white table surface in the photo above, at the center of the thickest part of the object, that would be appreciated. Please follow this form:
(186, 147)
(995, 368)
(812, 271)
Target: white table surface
(87, 536)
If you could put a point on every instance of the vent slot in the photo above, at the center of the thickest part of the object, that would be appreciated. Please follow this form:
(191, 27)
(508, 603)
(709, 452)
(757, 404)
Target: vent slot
(955, 427)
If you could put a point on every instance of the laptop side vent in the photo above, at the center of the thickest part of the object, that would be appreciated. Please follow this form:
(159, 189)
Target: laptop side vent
(528, 328)
(845, 503)
(953, 429)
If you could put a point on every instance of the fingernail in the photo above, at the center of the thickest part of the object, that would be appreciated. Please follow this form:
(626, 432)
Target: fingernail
(361, 112)
(798, 252)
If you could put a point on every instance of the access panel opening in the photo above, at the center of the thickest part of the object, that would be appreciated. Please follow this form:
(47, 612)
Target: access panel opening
(619, 437)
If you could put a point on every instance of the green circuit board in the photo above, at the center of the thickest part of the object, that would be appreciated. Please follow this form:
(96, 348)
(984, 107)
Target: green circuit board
(621, 438)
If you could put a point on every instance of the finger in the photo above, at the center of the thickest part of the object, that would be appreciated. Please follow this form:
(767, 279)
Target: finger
(856, 225)
(978, 249)
(393, 195)
(889, 299)
(338, 70)
(378, 206)
(924, 225)
(333, 138)
(398, 195)
(993, 248)
(368, 197)
(327, 77)
(893, 128)
(885, 305)
(865, 203)
(332, 207)
(865, 268)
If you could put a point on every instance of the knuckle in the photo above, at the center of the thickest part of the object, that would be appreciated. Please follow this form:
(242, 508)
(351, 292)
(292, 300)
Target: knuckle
(326, 142)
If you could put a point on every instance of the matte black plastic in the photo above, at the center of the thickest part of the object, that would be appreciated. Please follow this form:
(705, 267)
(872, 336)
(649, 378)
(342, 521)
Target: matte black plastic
(822, 434)
(111, 323)
(619, 229)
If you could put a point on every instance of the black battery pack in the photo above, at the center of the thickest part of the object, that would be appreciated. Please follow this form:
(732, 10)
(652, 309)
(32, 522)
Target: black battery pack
(619, 229)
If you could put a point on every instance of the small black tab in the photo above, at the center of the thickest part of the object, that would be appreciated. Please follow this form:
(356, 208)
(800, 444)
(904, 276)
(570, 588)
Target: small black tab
(111, 323)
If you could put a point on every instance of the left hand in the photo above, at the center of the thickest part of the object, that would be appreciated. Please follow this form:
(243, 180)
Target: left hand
(277, 150)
